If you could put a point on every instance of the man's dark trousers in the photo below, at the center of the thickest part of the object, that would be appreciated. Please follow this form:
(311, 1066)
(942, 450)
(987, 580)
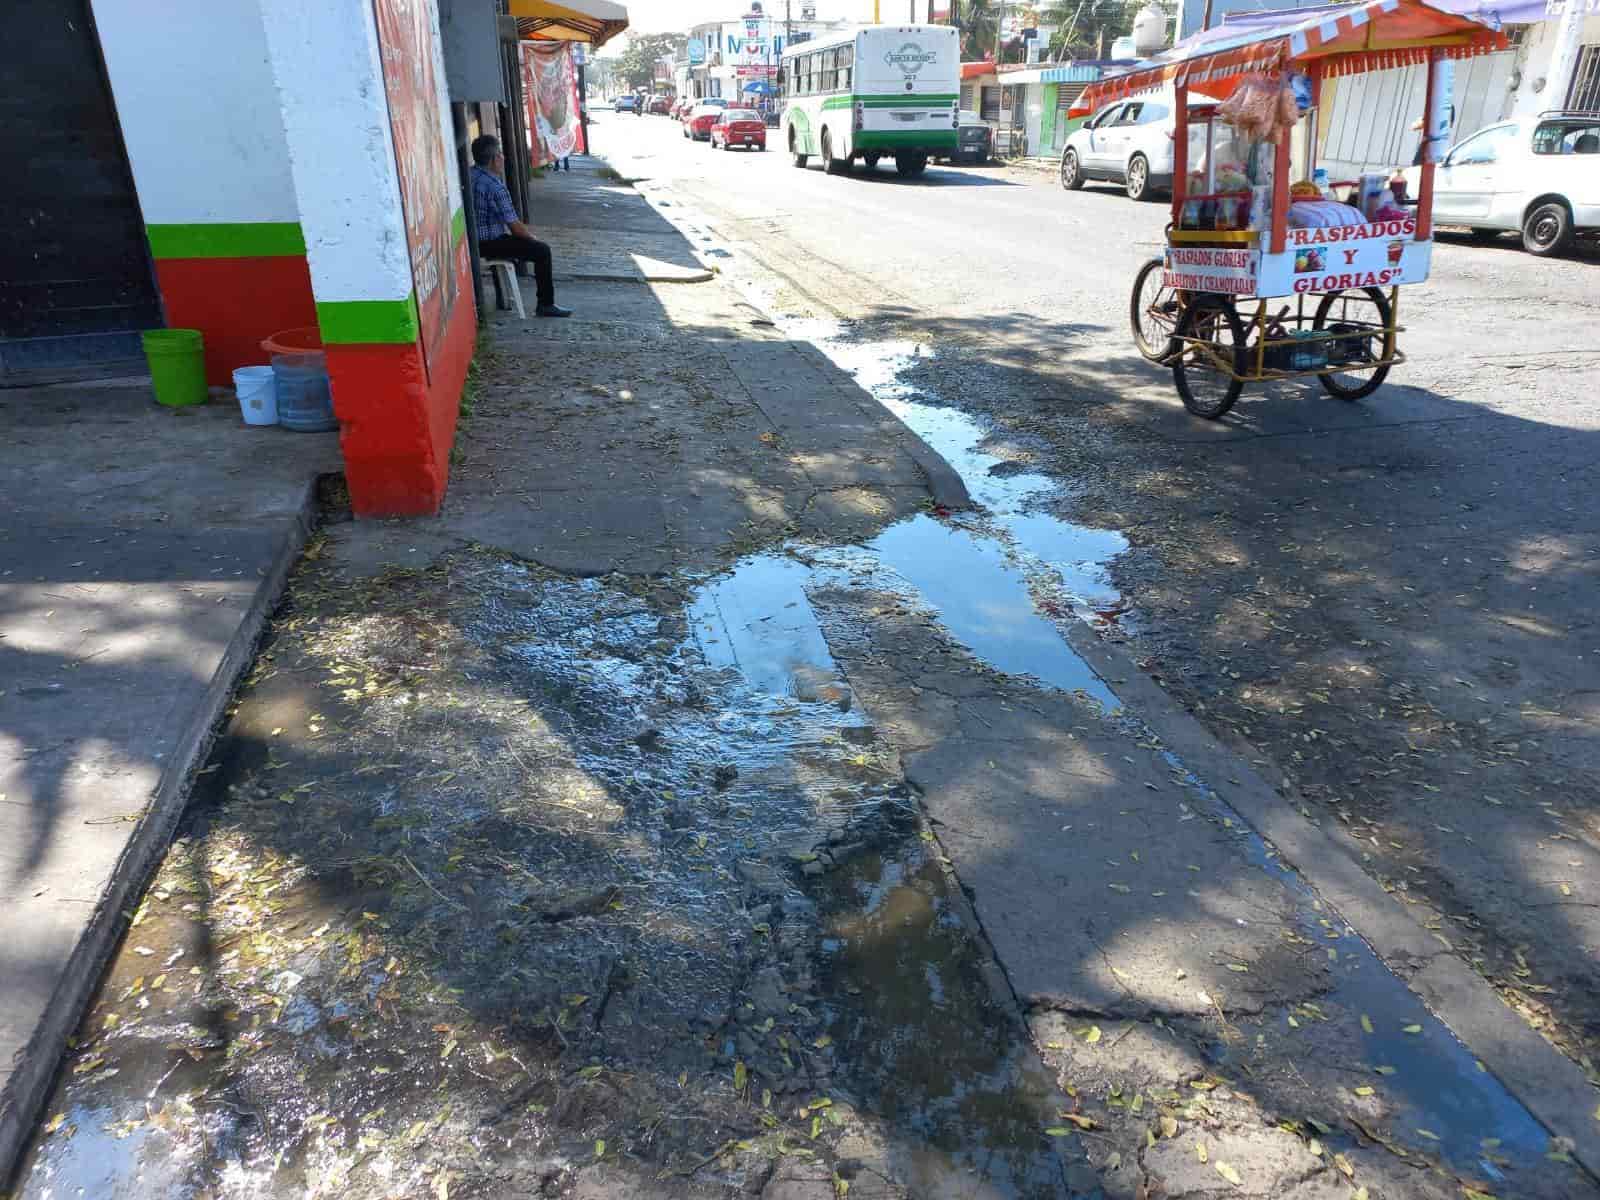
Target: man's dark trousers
(531, 250)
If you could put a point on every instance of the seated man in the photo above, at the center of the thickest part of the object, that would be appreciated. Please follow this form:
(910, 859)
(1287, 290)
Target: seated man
(500, 234)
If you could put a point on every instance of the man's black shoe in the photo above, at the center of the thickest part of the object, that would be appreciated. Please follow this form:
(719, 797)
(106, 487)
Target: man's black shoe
(552, 310)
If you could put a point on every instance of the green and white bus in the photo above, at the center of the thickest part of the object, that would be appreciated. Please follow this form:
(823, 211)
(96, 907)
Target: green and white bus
(879, 91)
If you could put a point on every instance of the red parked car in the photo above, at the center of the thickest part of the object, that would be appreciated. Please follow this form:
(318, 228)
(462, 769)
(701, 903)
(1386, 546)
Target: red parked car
(739, 127)
(702, 117)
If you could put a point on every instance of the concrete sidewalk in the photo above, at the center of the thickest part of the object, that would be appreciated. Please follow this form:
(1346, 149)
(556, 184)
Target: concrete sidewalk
(697, 808)
(724, 423)
(140, 554)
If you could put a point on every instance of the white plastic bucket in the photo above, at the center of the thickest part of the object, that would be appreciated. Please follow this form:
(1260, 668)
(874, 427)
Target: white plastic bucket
(258, 395)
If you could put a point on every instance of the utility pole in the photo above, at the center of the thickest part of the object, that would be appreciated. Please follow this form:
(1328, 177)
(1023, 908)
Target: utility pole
(1205, 20)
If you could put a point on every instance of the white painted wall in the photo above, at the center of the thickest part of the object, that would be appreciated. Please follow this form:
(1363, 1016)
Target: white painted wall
(199, 112)
(1538, 92)
(330, 86)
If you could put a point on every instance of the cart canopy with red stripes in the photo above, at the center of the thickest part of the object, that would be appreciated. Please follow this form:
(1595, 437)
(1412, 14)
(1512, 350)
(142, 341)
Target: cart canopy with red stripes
(1341, 39)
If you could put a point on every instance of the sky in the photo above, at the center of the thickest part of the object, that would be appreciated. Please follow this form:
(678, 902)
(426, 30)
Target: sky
(676, 16)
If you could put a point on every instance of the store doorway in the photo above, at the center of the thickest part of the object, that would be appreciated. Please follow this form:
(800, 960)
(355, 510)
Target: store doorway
(76, 282)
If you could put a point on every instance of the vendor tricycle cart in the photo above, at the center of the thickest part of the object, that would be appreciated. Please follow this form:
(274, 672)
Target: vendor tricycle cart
(1266, 276)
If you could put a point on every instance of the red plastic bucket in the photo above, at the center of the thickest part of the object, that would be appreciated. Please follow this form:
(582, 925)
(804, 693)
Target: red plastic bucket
(306, 340)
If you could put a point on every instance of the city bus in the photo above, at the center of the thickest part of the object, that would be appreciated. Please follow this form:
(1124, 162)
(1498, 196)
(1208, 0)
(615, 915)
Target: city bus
(879, 91)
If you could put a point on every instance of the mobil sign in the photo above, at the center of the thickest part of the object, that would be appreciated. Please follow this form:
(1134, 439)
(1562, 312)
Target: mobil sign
(749, 41)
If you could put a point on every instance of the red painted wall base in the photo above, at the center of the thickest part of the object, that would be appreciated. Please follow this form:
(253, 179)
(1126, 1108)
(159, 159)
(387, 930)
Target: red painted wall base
(235, 302)
(397, 426)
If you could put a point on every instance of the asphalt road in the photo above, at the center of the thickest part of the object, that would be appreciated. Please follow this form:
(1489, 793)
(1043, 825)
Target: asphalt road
(1388, 603)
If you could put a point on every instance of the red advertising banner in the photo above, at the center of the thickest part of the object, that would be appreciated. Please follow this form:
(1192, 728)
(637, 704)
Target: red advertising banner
(550, 87)
(405, 37)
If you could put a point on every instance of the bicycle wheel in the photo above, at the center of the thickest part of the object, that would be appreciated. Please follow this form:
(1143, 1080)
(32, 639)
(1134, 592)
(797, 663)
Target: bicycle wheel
(1361, 310)
(1153, 311)
(1210, 357)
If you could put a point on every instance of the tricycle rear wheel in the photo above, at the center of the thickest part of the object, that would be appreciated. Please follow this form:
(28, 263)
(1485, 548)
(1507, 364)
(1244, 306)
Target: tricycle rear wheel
(1365, 307)
(1210, 357)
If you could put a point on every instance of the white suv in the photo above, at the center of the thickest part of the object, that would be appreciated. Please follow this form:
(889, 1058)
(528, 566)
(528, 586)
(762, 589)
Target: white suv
(1539, 176)
(1129, 142)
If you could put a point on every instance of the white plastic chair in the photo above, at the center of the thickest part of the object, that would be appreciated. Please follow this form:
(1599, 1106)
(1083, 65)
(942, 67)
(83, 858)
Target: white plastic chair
(504, 273)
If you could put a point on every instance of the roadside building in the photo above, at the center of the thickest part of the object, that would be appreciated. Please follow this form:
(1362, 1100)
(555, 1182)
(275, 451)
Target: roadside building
(258, 166)
(1027, 105)
(735, 58)
(1553, 62)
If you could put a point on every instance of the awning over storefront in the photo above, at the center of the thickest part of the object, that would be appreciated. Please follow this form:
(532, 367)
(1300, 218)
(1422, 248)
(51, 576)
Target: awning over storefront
(1340, 39)
(593, 21)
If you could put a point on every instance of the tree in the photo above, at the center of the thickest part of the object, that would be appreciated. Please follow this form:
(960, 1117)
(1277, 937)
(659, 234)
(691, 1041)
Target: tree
(637, 66)
(1086, 28)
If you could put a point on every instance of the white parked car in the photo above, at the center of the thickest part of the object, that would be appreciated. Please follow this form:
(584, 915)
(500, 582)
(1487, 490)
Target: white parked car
(1128, 142)
(1538, 176)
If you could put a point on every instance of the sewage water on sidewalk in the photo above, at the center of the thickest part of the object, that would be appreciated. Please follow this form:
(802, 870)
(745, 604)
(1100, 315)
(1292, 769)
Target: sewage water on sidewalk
(1431, 1082)
(506, 883)
(975, 577)
(997, 580)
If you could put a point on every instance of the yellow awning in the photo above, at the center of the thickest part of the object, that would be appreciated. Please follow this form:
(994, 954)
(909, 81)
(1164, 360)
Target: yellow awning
(593, 21)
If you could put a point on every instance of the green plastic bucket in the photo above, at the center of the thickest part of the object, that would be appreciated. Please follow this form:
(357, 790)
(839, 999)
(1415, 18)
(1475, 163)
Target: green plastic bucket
(177, 365)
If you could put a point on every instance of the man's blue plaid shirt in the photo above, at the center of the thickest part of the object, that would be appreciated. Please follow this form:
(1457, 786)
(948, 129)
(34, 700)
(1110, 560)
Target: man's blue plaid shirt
(491, 203)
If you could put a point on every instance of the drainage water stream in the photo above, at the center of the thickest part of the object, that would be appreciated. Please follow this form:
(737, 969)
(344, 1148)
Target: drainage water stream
(980, 574)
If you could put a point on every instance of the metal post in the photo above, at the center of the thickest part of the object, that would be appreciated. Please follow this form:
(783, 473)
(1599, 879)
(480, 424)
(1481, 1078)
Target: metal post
(458, 119)
(1180, 150)
(1280, 195)
(1205, 20)
(1425, 184)
(583, 103)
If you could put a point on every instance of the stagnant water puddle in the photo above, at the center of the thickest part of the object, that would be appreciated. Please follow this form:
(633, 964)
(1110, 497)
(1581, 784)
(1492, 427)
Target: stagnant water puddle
(1012, 500)
(934, 1053)
(1431, 1082)
(979, 578)
(574, 832)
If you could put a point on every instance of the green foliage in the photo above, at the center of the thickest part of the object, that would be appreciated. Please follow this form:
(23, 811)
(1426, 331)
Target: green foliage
(637, 66)
(1083, 28)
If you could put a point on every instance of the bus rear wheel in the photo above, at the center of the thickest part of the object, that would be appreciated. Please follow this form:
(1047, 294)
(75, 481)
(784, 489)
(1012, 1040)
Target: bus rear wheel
(871, 159)
(910, 164)
(830, 164)
(794, 149)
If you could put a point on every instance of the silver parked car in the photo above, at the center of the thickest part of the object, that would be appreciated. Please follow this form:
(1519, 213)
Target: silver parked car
(1538, 176)
(1128, 142)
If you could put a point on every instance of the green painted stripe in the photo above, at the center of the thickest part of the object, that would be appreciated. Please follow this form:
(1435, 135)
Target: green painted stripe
(458, 226)
(909, 101)
(346, 322)
(254, 239)
(903, 139)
